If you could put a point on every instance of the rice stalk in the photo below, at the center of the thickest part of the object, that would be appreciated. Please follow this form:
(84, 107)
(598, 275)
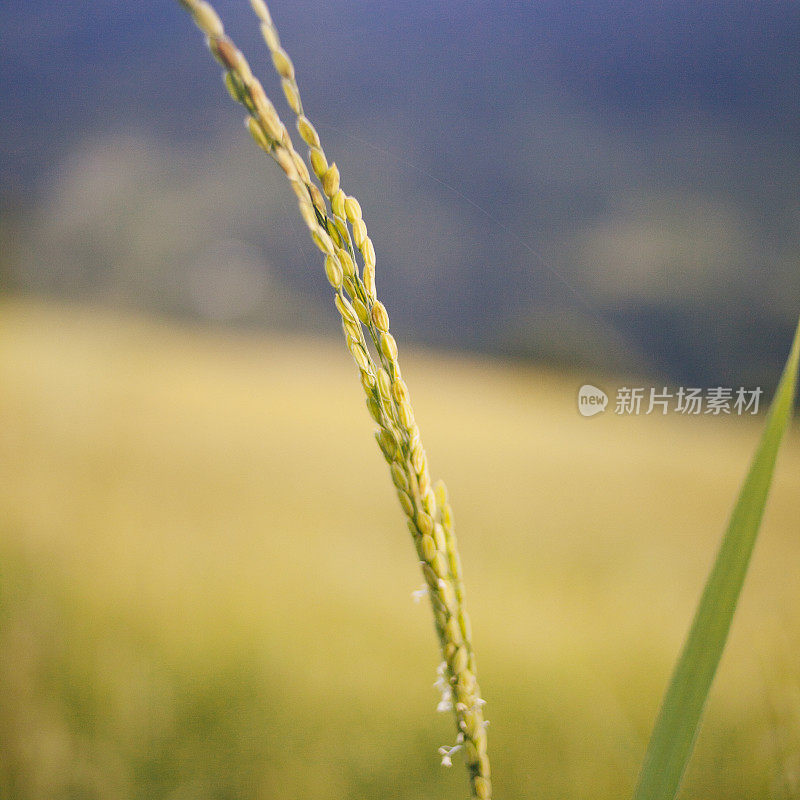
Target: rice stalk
(336, 225)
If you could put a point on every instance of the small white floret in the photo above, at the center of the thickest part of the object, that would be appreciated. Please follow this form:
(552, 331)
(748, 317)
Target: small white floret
(418, 594)
(446, 753)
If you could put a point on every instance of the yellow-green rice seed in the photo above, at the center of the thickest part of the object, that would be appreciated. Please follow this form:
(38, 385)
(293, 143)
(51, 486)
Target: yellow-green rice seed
(361, 310)
(441, 492)
(272, 125)
(256, 97)
(261, 10)
(257, 132)
(220, 49)
(483, 789)
(330, 180)
(337, 203)
(307, 132)
(245, 73)
(359, 356)
(386, 458)
(389, 440)
(405, 502)
(284, 159)
(351, 328)
(465, 621)
(255, 91)
(470, 752)
(431, 578)
(316, 196)
(345, 309)
(300, 166)
(374, 409)
(367, 380)
(429, 502)
(439, 564)
(424, 480)
(341, 226)
(283, 64)
(427, 548)
(380, 317)
(234, 86)
(439, 611)
(346, 261)
(266, 110)
(406, 414)
(399, 477)
(424, 523)
(350, 286)
(226, 52)
(417, 540)
(447, 516)
(460, 660)
(359, 232)
(207, 20)
(352, 209)
(384, 383)
(439, 537)
(307, 212)
(270, 36)
(452, 630)
(336, 236)
(474, 724)
(417, 457)
(466, 680)
(368, 251)
(448, 597)
(291, 95)
(386, 443)
(400, 390)
(333, 271)
(318, 161)
(322, 240)
(369, 281)
(389, 346)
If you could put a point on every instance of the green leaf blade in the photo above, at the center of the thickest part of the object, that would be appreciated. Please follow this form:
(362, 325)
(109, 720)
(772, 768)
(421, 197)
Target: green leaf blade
(678, 719)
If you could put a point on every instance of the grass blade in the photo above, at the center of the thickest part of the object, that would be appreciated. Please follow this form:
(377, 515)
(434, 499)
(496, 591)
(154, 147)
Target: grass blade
(679, 717)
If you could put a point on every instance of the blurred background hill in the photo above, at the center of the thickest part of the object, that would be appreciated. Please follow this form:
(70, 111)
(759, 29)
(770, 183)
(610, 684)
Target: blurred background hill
(609, 184)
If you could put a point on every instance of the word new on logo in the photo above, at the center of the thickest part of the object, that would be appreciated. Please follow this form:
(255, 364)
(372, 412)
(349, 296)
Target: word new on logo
(591, 400)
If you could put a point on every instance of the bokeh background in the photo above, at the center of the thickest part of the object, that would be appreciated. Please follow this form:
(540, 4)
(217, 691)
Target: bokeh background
(205, 586)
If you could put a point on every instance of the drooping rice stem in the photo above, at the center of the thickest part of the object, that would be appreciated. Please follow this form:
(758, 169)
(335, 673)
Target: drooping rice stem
(335, 223)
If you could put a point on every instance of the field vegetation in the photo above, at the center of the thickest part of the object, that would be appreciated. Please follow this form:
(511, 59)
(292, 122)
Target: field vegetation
(205, 583)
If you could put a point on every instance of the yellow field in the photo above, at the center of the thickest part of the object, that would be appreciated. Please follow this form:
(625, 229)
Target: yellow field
(205, 588)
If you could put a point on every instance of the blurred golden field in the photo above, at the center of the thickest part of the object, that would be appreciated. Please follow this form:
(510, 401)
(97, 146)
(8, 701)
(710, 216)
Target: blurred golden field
(205, 580)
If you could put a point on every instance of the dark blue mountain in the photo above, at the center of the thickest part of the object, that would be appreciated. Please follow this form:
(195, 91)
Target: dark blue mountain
(69, 67)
